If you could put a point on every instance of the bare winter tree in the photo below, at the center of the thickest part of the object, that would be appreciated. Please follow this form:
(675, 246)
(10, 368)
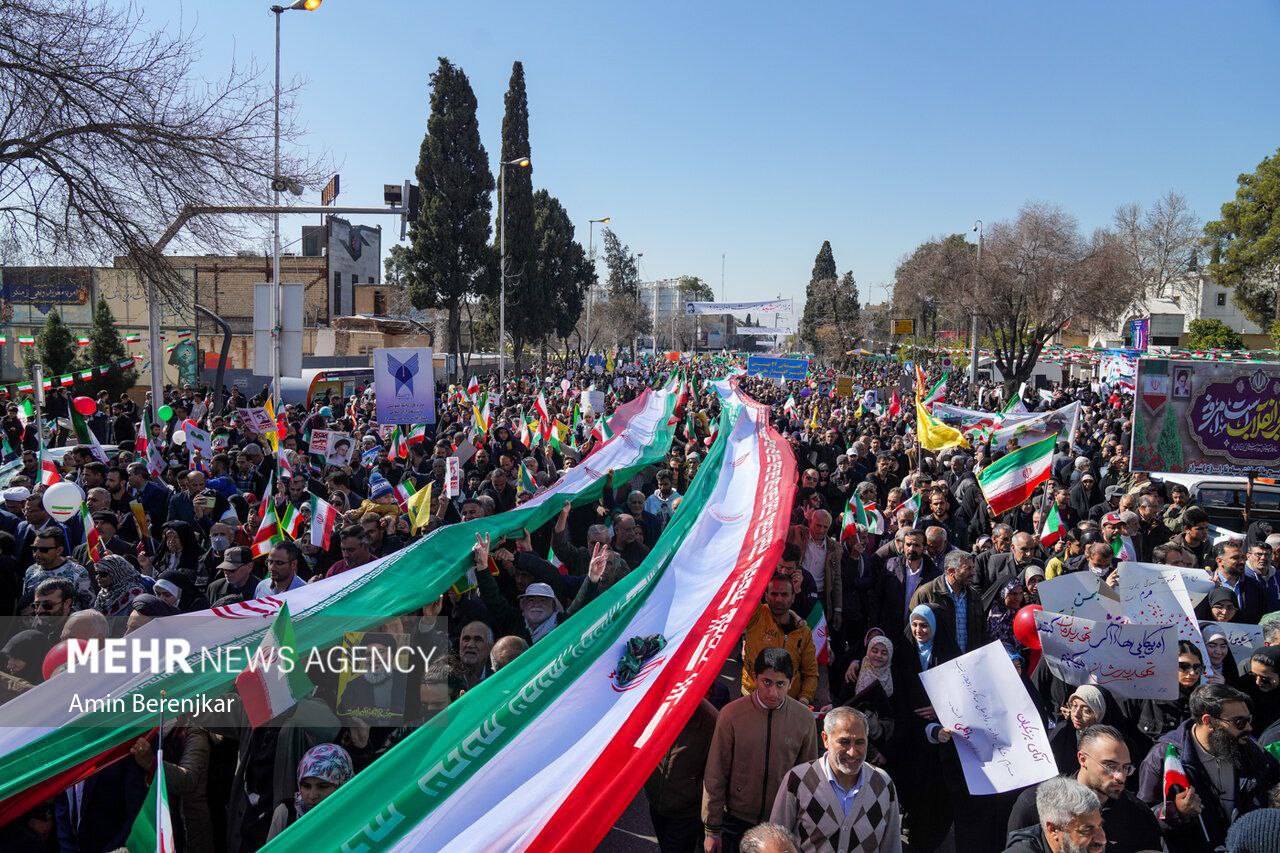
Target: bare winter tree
(1038, 277)
(1160, 241)
(106, 134)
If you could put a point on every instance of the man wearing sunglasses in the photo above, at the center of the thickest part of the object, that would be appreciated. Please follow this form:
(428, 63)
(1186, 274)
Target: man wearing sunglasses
(1104, 766)
(1229, 774)
(49, 561)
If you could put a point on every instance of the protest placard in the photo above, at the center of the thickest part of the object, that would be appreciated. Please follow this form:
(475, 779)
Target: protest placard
(1131, 661)
(1241, 639)
(1152, 594)
(997, 731)
(1081, 594)
(452, 476)
(341, 448)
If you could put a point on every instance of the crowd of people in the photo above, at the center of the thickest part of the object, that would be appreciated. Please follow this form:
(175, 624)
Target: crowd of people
(814, 740)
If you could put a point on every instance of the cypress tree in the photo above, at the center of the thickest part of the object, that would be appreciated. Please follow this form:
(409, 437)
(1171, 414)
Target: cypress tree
(451, 258)
(55, 346)
(527, 317)
(822, 279)
(107, 347)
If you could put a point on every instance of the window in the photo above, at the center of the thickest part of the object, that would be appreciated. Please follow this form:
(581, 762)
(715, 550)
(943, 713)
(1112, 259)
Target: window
(1222, 299)
(335, 305)
(379, 303)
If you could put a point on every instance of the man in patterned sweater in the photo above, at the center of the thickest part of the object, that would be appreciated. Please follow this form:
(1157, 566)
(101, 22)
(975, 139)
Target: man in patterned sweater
(838, 802)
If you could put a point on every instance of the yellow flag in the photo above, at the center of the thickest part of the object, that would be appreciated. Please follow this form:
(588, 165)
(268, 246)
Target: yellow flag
(272, 438)
(933, 434)
(419, 506)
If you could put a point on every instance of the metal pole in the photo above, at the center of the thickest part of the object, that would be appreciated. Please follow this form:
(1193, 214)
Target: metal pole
(37, 392)
(502, 263)
(275, 233)
(591, 285)
(157, 359)
(973, 317)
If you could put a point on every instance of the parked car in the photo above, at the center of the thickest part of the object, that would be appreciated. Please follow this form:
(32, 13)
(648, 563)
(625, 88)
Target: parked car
(11, 469)
(1223, 498)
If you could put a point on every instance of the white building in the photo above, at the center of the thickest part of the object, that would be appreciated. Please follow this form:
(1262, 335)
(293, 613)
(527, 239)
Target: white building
(1200, 298)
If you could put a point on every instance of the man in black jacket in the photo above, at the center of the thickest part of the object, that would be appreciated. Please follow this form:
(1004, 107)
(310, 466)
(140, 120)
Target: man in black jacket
(1003, 568)
(1104, 766)
(1229, 774)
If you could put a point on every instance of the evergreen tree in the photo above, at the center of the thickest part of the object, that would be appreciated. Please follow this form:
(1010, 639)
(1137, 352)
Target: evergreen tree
(55, 347)
(451, 258)
(824, 272)
(560, 269)
(1245, 242)
(527, 316)
(624, 272)
(1169, 445)
(106, 347)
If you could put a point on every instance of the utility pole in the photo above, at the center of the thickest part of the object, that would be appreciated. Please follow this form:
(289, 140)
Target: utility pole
(973, 317)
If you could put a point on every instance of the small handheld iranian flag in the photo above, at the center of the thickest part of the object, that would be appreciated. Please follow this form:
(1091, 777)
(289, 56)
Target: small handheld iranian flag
(291, 523)
(1053, 529)
(525, 481)
(1175, 778)
(92, 538)
(274, 681)
(403, 491)
(818, 627)
(48, 469)
(323, 520)
(153, 829)
(268, 535)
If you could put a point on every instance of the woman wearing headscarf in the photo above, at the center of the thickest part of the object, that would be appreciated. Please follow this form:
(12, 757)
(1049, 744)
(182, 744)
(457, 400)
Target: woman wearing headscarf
(1262, 684)
(872, 694)
(926, 808)
(324, 769)
(1221, 662)
(23, 655)
(1030, 581)
(1085, 707)
(177, 549)
(1218, 606)
(1157, 716)
(1003, 609)
(118, 585)
(188, 598)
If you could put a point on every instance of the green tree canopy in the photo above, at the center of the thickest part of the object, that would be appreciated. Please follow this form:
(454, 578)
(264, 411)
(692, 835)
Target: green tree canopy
(451, 258)
(527, 316)
(106, 347)
(1212, 334)
(55, 346)
(561, 269)
(1245, 242)
(814, 316)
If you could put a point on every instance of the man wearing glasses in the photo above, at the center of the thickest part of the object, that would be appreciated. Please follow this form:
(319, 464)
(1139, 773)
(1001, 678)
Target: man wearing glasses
(1104, 766)
(282, 571)
(1230, 774)
(49, 561)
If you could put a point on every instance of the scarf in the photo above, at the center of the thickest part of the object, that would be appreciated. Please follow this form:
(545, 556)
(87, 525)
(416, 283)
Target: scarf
(869, 675)
(326, 761)
(925, 649)
(125, 585)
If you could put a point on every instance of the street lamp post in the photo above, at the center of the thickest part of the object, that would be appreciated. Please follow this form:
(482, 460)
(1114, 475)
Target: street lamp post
(523, 163)
(591, 289)
(278, 184)
(973, 316)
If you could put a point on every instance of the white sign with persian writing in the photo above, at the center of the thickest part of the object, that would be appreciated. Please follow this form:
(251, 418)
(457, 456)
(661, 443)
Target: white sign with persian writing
(452, 476)
(997, 730)
(1241, 639)
(1131, 661)
(1152, 594)
(1081, 594)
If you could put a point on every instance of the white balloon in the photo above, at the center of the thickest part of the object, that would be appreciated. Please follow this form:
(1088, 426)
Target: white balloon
(179, 437)
(62, 500)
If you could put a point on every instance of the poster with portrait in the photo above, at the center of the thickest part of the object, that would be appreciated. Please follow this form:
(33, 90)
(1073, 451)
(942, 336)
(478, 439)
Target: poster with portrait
(1215, 418)
(341, 449)
(373, 684)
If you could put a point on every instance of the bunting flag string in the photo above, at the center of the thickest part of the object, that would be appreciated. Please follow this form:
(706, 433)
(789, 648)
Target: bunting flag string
(68, 379)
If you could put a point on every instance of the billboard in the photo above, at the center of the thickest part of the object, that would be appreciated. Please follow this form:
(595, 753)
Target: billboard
(903, 327)
(404, 385)
(1204, 417)
(771, 367)
(28, 295)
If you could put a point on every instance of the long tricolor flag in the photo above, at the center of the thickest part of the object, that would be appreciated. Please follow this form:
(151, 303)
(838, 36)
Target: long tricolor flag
(46, 745)
(525, 780)
(274, 681)
(1011, 480)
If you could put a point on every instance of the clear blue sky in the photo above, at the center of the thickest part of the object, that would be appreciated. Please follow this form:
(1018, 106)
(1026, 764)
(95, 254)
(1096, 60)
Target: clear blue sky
(759, 130)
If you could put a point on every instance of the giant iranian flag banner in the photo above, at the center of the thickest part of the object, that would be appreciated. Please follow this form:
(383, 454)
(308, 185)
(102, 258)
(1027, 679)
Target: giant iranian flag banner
(547, 752)
(61, 732)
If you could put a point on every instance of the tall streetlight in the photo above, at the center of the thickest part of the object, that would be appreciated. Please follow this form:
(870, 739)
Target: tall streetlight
(523, 163)
(973, 316)
(278, 185)
(591, 288)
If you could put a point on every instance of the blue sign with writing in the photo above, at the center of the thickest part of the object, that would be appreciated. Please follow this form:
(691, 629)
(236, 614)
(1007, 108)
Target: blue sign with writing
(772, 367)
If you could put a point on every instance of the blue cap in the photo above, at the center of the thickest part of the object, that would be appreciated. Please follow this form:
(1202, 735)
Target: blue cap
(326, 412)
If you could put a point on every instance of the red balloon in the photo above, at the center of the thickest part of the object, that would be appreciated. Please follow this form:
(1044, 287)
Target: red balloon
(56, 659)
(1024, 626)
(85, 405)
